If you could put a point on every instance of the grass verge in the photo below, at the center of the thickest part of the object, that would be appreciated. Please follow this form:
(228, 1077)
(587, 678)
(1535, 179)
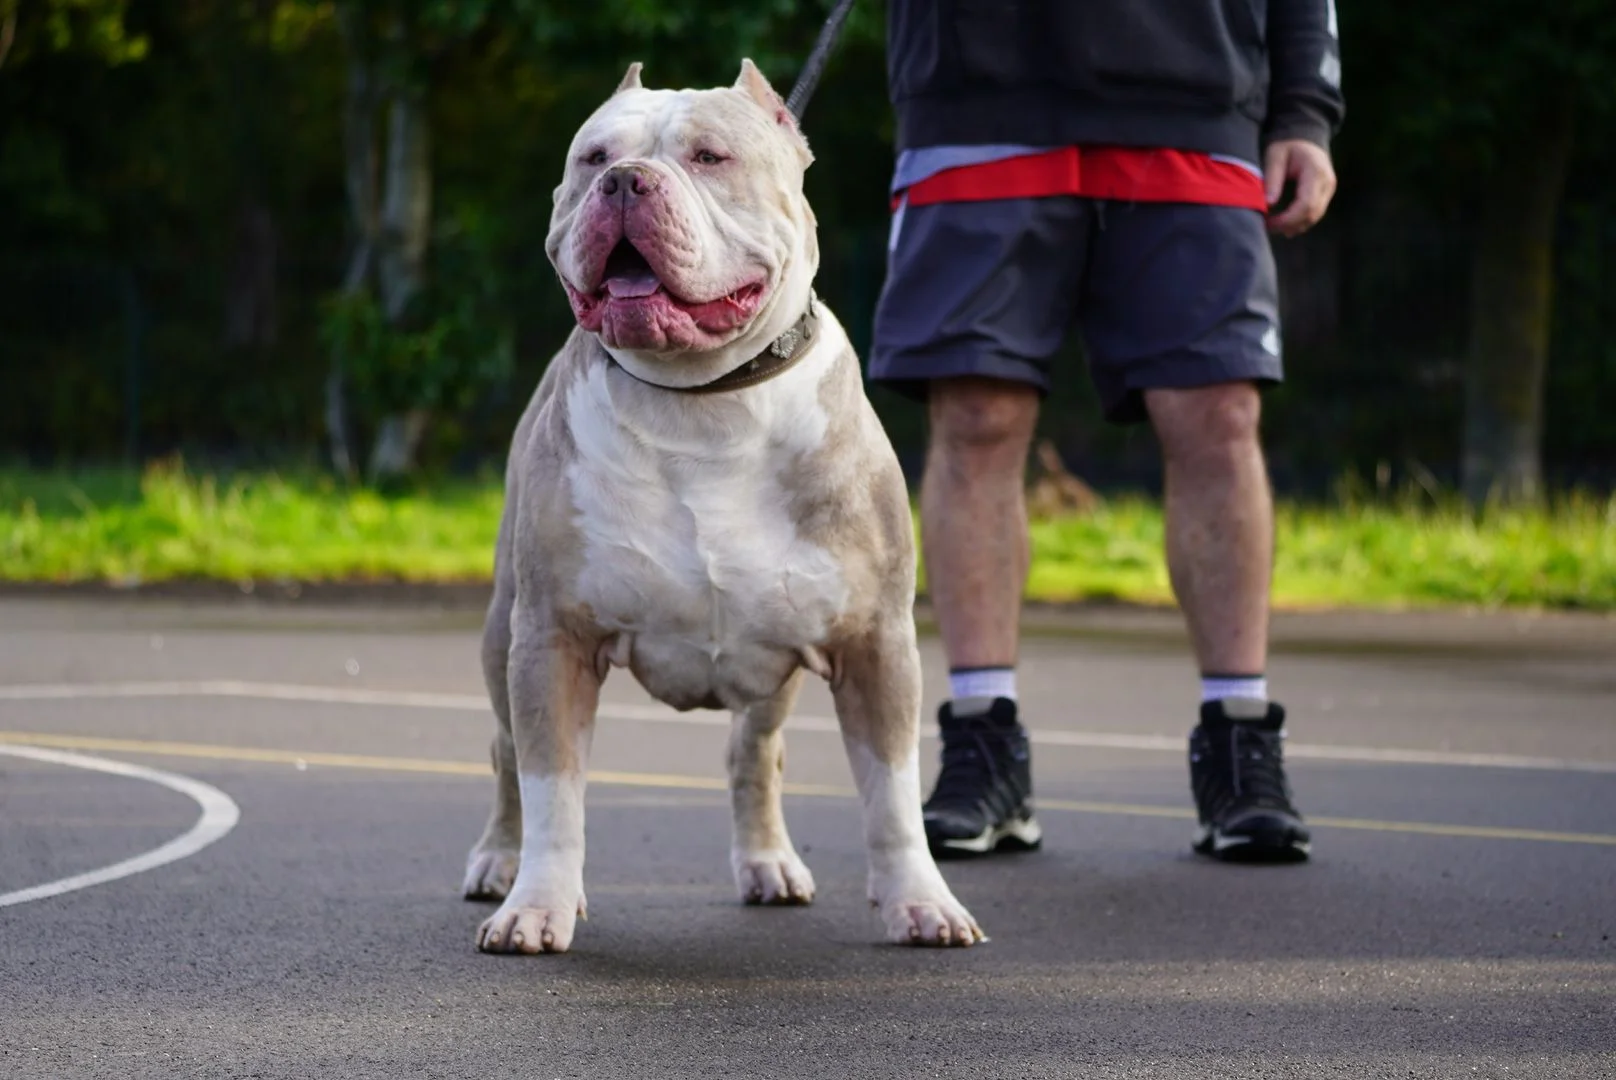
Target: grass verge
(166, 524)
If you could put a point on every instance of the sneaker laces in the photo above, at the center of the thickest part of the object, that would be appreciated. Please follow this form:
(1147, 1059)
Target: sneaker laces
(1257, 766)
(967, 763)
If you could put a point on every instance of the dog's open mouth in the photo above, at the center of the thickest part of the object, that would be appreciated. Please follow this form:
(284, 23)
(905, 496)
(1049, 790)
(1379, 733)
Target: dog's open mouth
(631, 302)
(627, 275)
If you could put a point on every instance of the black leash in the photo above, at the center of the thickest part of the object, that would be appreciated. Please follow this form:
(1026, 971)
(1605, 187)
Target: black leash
(815, 65)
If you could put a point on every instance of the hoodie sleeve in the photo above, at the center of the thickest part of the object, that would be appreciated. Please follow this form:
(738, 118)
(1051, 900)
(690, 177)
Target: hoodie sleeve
(1304, 96)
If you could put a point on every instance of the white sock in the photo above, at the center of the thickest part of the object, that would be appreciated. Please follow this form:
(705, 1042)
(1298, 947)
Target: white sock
(1248, 687)
(988, 682)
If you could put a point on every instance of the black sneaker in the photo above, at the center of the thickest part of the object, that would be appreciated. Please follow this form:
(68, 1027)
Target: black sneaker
(982, 801)
(1237, 771)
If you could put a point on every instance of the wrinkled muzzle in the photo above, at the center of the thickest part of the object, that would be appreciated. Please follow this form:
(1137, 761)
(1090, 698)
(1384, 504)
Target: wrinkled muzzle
(645, 272)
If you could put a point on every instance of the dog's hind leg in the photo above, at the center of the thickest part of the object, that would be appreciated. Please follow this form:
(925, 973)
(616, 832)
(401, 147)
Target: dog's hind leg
(878, 704)
(767, 868)
(491, 866)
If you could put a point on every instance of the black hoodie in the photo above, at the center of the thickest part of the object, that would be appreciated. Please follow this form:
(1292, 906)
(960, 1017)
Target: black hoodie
(1218, 76)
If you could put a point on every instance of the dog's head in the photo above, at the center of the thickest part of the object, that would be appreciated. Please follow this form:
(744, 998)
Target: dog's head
(680, 230)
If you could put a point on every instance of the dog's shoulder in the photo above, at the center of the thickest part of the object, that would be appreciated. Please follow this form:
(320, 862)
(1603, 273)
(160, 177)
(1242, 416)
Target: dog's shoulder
(543, 443)
(848, 495)
(542, 448)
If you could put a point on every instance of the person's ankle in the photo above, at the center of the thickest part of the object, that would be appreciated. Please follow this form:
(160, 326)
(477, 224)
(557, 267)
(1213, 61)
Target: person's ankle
(963, 707)
(1218, 686)
(991, 683)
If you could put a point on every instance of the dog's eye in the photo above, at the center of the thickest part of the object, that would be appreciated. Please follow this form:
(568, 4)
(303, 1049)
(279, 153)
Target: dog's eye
(707, 157)
(595, 157)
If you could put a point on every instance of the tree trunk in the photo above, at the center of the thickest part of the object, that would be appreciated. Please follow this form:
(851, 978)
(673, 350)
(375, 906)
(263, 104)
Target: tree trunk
(359, 179)
(406, 216)
(392, 215)
(397, 442)
(1512, 288)
(406, 224)
(359, 142)
(8, 30)
(336, 426)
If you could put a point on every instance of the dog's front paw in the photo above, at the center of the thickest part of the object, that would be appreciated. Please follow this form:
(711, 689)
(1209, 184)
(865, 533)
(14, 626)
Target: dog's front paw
(922, 911)
(930, 922)
(489, 874)
(772, 877)
(530, 928)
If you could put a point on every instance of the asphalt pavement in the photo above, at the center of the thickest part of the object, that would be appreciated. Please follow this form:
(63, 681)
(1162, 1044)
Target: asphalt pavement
(266, 883)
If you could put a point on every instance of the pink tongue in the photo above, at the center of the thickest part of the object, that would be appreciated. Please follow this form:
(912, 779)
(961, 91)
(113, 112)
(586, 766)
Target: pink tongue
(634, 285)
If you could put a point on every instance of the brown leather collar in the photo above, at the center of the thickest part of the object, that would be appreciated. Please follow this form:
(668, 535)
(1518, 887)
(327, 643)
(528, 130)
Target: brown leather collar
(781, 355)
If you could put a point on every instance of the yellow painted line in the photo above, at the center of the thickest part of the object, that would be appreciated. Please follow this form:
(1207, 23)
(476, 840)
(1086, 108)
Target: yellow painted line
(1478, 832)
(703, 783)
(1118, 809)
(478, 703)
(363, 761)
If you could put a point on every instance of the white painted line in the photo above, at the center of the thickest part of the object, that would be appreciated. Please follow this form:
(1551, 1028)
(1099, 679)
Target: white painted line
(236, 689)
(661, 714)
(219, 816)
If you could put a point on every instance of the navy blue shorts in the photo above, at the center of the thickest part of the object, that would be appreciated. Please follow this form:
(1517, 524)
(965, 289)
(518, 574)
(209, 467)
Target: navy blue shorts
(1165, 295)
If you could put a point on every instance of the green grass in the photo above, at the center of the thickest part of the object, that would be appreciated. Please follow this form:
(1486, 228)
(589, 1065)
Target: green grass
(165, 524)
(1403, 553)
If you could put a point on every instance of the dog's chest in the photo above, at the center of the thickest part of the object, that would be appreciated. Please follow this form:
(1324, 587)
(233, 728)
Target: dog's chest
(691, 547)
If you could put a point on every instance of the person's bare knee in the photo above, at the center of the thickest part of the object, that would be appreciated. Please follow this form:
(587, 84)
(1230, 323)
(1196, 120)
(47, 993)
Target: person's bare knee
(1206, 423)
(982, 421)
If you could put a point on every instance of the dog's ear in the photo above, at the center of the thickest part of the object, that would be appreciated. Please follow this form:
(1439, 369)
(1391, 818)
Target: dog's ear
(753, 84)
(631, 79)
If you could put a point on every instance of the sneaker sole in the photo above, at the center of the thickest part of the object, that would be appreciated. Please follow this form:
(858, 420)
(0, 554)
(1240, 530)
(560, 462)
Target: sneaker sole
(1023, 834)
(1283, 847)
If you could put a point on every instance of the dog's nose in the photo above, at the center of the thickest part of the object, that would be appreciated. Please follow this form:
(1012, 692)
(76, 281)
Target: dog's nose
(632, 181)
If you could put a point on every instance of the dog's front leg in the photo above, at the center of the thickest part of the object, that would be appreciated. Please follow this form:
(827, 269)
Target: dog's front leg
(491, 865)
(554, 689)
(878, 704)
(767, 868)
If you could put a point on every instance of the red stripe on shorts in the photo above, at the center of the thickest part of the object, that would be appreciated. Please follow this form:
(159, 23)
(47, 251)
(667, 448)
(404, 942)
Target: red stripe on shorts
(1123, 173)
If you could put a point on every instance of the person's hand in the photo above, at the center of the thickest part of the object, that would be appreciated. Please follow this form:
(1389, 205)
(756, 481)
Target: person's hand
(1310, 167)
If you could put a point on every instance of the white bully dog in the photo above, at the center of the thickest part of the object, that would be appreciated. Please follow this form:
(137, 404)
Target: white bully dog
(699, 491)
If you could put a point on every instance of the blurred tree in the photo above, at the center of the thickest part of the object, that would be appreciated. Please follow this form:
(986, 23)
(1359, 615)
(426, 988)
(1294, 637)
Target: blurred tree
(1481, 102)
(391, 48)
(396, 52)
(94, 27)
(175, 227)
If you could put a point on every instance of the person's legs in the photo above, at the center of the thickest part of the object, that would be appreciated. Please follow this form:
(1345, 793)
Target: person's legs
(978, 297)
(1220, 522)
(973, 526)
(1181, 318)
(973, 516)
(1220, 546)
